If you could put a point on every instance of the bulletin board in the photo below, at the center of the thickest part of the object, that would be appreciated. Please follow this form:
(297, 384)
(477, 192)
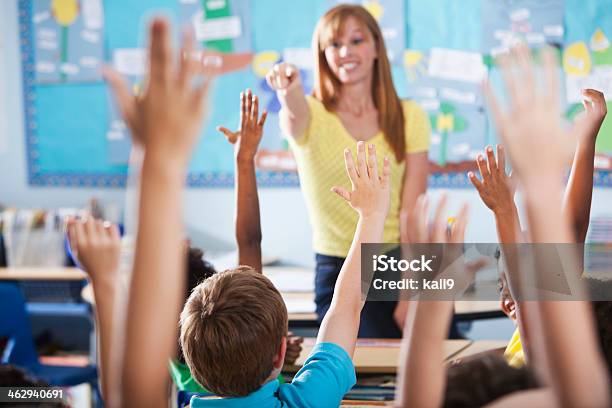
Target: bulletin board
(440, 52)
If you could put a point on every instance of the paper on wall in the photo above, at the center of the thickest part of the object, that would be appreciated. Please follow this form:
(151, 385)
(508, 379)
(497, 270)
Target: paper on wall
(456, 65)
(93, 14)
(300, 57)
(220, 28)
(600, 78)
(130, 61)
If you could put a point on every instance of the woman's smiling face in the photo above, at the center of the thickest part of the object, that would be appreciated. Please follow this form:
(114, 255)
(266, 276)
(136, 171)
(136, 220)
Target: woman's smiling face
(351, 55)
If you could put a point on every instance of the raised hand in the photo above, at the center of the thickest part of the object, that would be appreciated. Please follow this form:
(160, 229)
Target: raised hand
(284, 77)
(167, 115)
(370, 194)
(246, 139)
(294, 348)
(590, 121)
(531, 127)
(496, 189)
(438, 230)
(96, 245)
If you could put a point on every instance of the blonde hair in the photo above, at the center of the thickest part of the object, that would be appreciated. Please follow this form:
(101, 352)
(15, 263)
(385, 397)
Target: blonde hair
(327, 86)
(232, 327)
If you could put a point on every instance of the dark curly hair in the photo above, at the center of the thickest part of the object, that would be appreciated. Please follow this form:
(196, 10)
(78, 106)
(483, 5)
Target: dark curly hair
(476, 381)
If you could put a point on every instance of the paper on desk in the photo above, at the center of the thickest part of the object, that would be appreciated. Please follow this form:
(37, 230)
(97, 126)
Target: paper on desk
(456, 65)
(291, 279)
(300, 306)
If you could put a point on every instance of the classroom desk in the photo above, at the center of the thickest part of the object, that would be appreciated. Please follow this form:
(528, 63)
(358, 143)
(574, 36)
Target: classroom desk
(377, 356)
(297, 292)
(41, 273)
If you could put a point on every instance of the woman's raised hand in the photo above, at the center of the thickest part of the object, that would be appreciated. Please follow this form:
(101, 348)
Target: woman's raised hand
(284, 77)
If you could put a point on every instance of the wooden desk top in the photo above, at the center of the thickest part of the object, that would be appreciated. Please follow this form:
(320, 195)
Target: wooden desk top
(41, 273)
(377, 356)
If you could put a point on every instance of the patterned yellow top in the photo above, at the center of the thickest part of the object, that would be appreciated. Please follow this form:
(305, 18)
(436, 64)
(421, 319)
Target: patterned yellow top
(320, 161)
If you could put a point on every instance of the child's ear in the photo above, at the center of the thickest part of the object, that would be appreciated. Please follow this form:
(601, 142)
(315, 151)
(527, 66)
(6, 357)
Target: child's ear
(279, 358)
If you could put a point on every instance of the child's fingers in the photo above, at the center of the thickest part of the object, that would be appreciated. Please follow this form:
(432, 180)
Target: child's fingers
(254, 109)
(160, 56)
(342, 193)
(501, 158)
(439, 220)
(187, 65)
(249, 105)
(507, 67)
(522, 56)
(551, 75)
(477, 183)
(422, 218)
(493, 103)
(491, 162)
(80, 234)
(112, 231)
(386, 172)
(230, 136)
(243, 111)
(201, 92)
(372, 163)
(72, 234)
(350, 166)
(482, 168)
(361, 160)
(120, 89)
(262, 120)
(459, 226)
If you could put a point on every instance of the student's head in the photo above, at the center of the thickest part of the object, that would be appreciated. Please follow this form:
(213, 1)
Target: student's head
(507, 303)
(233, 330)
(483, 378)
(349, 49)
(197, 269)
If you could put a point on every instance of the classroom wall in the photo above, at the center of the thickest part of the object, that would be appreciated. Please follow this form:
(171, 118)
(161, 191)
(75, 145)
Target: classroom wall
(208, 212)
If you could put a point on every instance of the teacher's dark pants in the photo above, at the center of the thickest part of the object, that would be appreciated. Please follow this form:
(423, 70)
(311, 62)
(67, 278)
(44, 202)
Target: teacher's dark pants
(376, 317)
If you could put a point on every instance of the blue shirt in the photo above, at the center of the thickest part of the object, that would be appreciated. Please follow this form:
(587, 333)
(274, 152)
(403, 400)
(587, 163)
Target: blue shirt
(326, 376)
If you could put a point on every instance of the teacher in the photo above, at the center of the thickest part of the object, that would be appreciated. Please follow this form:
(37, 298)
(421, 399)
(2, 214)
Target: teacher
(353, 99)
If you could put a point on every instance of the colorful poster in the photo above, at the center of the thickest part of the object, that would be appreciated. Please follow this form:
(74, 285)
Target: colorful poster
(535, 22)
(68, 40)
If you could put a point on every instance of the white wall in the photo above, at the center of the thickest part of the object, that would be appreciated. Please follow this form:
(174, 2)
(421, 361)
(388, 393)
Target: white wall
(208, 212)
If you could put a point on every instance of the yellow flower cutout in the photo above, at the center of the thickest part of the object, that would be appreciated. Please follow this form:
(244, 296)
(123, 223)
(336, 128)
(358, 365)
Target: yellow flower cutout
(375, 8)
(65, 11)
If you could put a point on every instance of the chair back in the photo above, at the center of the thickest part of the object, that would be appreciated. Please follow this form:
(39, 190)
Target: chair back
(15, 325)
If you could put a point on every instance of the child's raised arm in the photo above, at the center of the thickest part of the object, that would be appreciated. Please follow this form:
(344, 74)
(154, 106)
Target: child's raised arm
(97, 246)
(533, 120)
(422, 370)
(370, 197)
(496, 191)
(246, 140)
(166, 118)
(579, 190)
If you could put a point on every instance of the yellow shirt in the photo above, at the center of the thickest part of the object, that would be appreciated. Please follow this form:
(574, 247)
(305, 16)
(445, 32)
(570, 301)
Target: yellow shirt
(320, 161)
(514, 351)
